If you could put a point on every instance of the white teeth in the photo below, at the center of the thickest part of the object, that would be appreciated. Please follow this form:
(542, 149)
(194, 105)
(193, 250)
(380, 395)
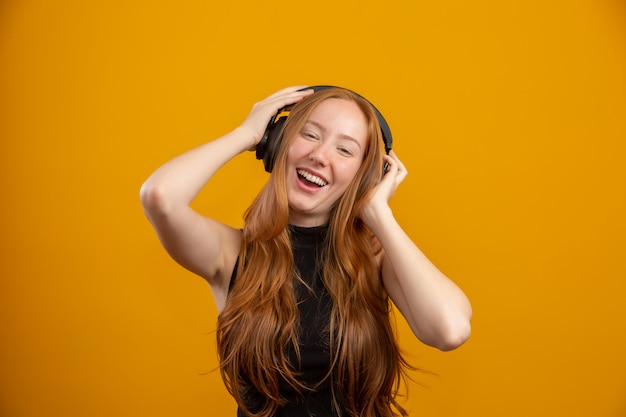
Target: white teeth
(312, 178)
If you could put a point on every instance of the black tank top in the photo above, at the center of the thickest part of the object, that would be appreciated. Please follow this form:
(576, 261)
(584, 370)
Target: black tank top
(314, 306)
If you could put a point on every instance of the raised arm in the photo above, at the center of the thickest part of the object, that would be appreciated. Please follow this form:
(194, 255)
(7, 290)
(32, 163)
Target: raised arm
(200, 244)
(436, 309)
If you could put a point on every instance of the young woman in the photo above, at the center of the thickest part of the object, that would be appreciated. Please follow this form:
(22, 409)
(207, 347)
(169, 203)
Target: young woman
(303, 289)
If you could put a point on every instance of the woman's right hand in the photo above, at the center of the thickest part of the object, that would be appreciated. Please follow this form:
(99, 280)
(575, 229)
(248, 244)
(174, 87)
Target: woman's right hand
(264, 110)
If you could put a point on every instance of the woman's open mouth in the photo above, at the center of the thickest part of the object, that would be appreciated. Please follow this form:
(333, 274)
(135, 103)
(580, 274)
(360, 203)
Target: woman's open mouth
(313, 179)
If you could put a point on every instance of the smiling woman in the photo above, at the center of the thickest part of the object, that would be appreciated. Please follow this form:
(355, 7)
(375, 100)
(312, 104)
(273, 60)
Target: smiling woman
(304, 299)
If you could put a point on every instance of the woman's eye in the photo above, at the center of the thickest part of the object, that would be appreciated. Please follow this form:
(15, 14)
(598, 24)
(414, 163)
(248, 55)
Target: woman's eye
(309, 135)
(345, 151)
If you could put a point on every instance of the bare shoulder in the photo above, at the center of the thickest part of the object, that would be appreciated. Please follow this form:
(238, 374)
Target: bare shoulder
(202, 245)
(219, 282)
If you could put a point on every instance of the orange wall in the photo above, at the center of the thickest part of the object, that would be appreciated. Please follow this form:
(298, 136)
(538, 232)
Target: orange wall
(510, 116)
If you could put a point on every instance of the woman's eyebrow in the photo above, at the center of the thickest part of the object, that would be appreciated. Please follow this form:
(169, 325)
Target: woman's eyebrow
(316, 124)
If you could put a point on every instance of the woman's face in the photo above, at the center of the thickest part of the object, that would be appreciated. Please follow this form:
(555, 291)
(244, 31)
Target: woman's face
(323, 159)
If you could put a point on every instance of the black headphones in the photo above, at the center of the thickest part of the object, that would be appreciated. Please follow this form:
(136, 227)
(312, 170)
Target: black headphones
(267, 148)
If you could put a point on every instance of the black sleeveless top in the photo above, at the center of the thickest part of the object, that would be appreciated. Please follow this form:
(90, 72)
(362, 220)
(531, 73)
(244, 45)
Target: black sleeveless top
(314, 306)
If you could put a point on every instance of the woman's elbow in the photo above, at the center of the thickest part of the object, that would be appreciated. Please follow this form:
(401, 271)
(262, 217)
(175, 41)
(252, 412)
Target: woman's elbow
(447, 334)
(454, 337)
(153, 198)
(457, 328)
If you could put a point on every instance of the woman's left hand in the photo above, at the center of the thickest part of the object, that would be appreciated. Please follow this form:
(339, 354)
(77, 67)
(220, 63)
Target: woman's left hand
(379, 197)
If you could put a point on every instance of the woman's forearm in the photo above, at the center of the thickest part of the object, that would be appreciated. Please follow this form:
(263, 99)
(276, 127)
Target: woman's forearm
(437, 310)
(178, 181)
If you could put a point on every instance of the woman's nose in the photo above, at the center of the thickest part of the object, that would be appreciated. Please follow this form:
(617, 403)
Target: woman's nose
(319, 154)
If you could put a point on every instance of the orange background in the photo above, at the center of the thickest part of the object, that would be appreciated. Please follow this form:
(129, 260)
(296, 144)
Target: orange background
(510, 116)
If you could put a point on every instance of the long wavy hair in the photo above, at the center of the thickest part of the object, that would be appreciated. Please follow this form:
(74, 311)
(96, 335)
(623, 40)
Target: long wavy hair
(260, 321)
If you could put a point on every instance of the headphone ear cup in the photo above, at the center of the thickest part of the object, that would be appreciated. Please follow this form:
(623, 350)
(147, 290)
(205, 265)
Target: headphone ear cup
(268, 146)
(261, 147)
(274, 138)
